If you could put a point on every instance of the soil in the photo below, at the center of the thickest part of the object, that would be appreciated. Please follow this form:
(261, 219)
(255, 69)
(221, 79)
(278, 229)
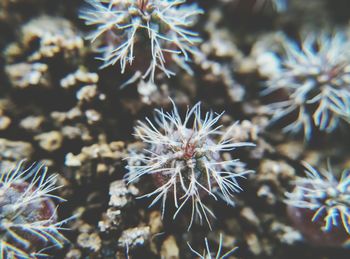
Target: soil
(58, 107)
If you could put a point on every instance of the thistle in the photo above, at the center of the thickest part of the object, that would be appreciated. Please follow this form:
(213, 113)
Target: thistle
(149, 33)
(207, 254)
(184, 157)
(28, 215)
(316, 78)
(326, 200)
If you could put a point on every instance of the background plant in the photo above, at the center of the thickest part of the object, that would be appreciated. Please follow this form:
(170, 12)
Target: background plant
(315, 76)
(327, 198)
(28, 215)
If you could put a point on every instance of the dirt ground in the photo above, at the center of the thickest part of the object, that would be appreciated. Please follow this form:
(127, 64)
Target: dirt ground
(58, 107)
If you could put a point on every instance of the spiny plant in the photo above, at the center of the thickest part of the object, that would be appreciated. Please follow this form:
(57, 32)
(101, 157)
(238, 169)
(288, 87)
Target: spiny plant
(28, 215)
(184, 157)
(326, 201)
(316, 77)
(151, 33)
(208, 254)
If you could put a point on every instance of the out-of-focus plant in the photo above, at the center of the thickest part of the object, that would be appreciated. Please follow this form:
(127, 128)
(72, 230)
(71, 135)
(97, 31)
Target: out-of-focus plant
(315, 76)
(321, 202)
(28, 216)
(149, 34)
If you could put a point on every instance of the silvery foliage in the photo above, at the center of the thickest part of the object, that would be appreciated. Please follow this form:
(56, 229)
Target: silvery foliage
(159, 25)
(316, 77)
(185, 156)
(322, 193)
(21, 191)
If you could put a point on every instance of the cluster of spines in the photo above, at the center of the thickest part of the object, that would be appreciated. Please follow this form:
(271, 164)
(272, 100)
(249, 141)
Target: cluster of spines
(186, 155)
(159, 25)
(316, 78)
(29, 188)
(208, 254)
(322, 193)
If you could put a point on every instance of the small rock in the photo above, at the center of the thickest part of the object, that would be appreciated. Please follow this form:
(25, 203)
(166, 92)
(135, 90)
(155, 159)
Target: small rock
(4, 122)
(248, 214)
(91, 241)
(15, 150)
(134, 237)
(156, 222)
(50, 141)
(169, 249)
(253, 243)
(32, 123)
